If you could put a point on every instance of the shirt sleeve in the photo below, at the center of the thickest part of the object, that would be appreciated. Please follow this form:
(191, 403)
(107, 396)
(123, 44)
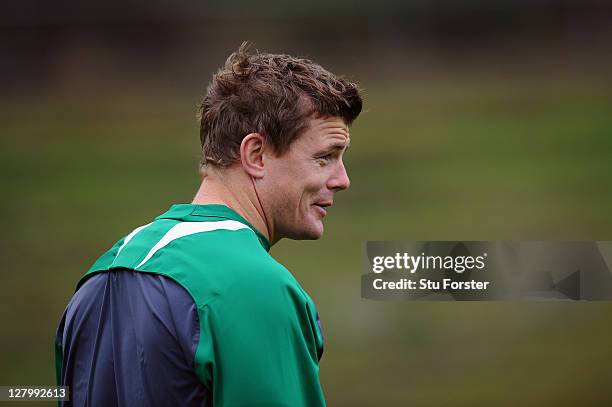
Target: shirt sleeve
(129, 338)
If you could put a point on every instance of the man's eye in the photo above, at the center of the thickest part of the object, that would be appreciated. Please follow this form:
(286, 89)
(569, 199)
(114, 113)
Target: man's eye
(325, 158)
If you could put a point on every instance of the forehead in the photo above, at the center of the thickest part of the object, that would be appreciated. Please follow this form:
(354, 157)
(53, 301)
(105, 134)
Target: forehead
(325, 130)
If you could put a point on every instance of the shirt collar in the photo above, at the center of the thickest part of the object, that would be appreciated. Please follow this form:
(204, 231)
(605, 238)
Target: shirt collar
(201, 213)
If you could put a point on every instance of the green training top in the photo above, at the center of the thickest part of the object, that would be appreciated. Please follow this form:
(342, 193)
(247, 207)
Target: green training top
(260, 341)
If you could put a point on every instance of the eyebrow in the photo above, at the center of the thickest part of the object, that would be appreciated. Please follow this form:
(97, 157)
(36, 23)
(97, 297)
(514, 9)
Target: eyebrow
(337, 146)
(333, 149)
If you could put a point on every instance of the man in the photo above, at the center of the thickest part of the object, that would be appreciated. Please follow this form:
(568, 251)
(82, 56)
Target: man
(191, 309)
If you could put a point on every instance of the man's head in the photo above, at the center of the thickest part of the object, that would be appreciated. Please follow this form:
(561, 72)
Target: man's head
(284, 121)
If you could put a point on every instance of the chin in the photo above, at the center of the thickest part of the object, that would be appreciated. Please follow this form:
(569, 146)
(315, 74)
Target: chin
(312, 233)
(314, 236)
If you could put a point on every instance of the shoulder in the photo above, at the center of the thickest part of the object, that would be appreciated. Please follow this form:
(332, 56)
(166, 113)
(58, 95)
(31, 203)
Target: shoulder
(222, 262)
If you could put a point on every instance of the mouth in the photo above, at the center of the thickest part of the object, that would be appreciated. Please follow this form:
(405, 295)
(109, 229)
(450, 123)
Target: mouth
(321, 207)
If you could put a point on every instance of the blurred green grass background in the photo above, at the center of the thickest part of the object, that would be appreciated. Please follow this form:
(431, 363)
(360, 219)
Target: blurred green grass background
(459, 159)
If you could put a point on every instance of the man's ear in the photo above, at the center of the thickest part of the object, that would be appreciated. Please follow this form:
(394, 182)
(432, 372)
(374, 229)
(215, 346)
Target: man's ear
(251, 154)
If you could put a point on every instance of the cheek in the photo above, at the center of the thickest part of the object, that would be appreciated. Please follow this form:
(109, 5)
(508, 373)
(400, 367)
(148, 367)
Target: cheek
(311, 191)
(311, 185)
(298, 187)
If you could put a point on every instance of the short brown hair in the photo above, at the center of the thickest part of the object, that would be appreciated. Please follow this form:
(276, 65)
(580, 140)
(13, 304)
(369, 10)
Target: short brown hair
(270, 94)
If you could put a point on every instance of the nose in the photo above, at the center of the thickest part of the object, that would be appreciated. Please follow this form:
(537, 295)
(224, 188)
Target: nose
(339, 180)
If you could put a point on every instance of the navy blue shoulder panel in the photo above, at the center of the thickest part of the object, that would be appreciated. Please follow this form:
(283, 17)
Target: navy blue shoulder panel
(129, 339)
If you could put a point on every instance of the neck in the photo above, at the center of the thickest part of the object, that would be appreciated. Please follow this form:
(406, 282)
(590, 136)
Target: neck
(236, 190)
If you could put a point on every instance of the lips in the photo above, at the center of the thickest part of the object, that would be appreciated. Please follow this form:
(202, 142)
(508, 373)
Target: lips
(320, 206)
